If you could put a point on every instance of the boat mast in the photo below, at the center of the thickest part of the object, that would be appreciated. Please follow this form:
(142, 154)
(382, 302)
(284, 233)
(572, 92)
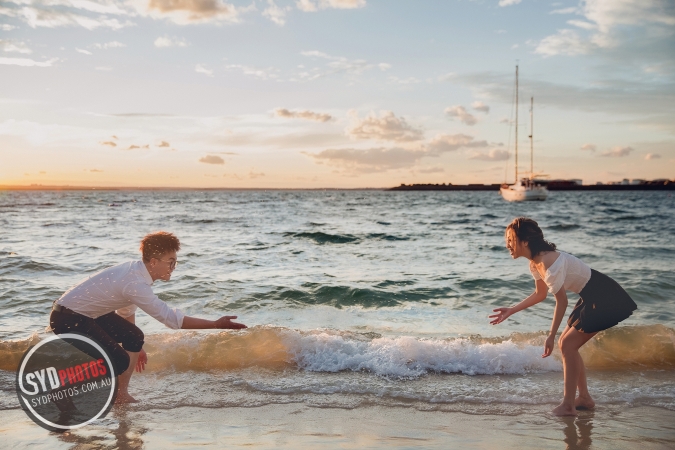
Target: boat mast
(531, 138)
(516, 124)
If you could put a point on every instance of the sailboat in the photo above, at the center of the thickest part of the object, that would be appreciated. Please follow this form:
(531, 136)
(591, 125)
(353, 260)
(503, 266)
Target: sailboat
(524, 189)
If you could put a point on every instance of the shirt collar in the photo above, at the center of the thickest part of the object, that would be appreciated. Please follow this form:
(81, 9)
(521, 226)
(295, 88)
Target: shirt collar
(145, 274)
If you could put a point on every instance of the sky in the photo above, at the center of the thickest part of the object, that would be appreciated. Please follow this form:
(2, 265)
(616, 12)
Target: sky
(333, 93)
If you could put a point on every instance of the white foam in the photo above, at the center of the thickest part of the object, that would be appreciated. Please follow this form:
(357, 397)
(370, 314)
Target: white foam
(412, 357)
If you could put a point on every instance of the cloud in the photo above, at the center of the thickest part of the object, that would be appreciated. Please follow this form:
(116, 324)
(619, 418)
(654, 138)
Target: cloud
(109, 143)
(431, 170)
(315, 5)
(493, 155)
(163, 144)
(84, 52)
(650, 156)
(381, 159)
(25, 62)
(201, 69)
(253, 175)
(95, 170)
(461, 113)
(589, 147)
(404, 81)
(370, 160)
(617, 152)
(307, 115)
(42, 16)
(443, 143)
(135, 147)
(14, 46)
(107, 45)
(480, 106)
(566, 42)
(185, 12)
(611, 23)
(387, 127)
(7, 27)
(337, 64)
(263, 74)
(212, 159)
(167, 41)
(643, 102)
(275, 13)
(503, 3)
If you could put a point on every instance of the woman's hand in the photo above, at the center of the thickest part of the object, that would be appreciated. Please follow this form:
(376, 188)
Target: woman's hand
(502, 315)
(548, 346)
(225, 322)
(142, 361)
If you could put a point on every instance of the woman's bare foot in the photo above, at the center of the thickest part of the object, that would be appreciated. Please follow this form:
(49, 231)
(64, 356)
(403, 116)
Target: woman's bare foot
(584, 402)
(564, 410)
(123, 398)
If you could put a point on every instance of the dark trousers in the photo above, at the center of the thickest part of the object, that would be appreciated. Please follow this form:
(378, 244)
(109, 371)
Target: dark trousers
(108, 330)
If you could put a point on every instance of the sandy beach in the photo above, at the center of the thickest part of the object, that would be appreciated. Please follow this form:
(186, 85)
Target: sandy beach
(299, 426)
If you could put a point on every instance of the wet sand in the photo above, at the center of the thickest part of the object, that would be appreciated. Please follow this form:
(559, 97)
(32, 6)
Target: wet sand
(297, 426)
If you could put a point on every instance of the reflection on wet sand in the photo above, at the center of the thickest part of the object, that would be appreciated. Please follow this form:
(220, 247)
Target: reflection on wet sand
(119, 433)
(580, 440)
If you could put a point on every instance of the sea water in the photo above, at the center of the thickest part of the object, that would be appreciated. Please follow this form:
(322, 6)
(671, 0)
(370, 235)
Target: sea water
(353, 298)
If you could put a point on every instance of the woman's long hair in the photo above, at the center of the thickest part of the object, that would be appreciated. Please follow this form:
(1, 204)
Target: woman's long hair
(527, 230)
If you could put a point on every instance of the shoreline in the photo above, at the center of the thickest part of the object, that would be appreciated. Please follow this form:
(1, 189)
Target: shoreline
(299, 426)
(413, 187)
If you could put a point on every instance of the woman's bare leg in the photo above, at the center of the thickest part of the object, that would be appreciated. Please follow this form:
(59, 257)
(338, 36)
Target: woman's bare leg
(584, 400)
(572, 366)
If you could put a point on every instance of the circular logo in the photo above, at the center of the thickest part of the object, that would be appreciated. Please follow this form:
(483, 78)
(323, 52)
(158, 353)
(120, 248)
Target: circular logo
(65, 382)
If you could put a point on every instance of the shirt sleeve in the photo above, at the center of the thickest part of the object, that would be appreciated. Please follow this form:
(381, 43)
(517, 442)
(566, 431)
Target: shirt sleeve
(127, 311)
(557, 278)
(141, 295)
(534, 272)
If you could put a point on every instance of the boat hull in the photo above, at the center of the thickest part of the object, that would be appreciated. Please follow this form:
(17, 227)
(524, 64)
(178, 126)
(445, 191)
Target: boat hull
(523, 194)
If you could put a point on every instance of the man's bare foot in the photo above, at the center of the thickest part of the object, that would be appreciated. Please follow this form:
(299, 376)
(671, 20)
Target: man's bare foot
(584, 403)
(564, 410)
(124, 398)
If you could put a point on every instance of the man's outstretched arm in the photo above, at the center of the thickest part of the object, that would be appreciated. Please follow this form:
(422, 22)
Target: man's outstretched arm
(225, 322)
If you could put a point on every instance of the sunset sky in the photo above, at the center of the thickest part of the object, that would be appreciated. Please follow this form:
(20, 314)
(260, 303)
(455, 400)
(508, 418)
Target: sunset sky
(332, 93)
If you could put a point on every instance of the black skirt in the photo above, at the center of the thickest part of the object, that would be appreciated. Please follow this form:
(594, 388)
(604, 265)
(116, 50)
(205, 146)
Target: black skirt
(602, 305)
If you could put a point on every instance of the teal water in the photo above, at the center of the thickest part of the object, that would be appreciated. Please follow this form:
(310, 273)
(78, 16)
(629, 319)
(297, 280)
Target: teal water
(355, 287)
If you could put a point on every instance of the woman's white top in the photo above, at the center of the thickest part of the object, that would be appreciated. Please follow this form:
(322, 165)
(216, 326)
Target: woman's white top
(121, 288)
(567, 271)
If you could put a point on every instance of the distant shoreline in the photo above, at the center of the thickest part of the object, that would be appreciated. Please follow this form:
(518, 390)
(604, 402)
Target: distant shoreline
(667, 186)
(159, 188)
(670, 186)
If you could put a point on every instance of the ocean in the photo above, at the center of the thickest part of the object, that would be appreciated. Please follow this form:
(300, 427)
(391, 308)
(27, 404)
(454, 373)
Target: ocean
(353, 298)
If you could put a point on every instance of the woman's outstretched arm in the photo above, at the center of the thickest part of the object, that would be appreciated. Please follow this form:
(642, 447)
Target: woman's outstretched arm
(560, 307)
(537, 296)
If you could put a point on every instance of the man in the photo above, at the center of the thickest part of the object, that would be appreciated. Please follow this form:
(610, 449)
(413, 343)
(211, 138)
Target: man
(103, 307)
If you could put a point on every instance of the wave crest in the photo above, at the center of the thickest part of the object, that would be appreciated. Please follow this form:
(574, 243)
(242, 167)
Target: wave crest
(274, 348)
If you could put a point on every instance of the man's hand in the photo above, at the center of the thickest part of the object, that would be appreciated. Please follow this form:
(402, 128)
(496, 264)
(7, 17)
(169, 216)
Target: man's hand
(502, 315)
(548, 346)
(225, 322)
(142, 361)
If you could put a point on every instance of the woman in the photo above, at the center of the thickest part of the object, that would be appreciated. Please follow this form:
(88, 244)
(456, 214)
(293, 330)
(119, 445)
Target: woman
(602, 305)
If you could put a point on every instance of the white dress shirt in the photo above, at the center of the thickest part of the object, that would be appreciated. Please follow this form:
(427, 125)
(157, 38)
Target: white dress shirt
(567, 270)
(121, 288)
